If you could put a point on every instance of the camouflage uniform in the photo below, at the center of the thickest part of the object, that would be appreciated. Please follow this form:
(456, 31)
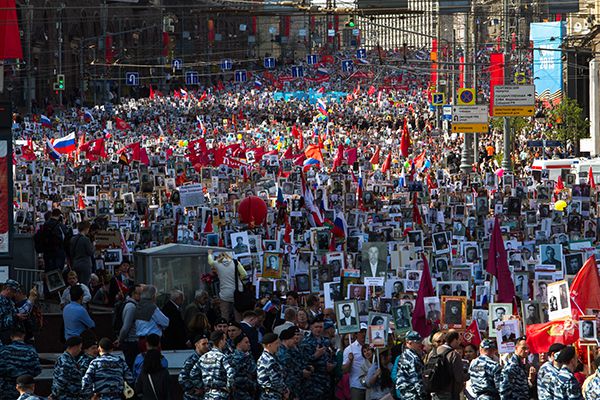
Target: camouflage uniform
(84, 362)
(546, 381)
(66, 378)
(514, 383)
(29, 396)
(105, 376)
(244, 375)
(188, 384)
(229, 347)
(319, 380)
(270, 377)
(216, 373)
(18, 359)
(409, 378)
(485, 378)
(592, 390)
(8, 317)
(291, 362)
(567, 387)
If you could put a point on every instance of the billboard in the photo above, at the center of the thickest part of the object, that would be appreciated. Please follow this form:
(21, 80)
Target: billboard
(547, 65)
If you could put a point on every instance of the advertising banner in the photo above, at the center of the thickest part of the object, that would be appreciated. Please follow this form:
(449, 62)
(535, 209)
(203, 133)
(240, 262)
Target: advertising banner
(547, 65)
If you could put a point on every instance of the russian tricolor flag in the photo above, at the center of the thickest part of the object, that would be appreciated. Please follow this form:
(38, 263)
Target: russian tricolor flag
(183, 92)
(87, 116)
(321, 107)
(258, 84)
(310, 162)
(51, 151)
(65, 145)
(46, 121)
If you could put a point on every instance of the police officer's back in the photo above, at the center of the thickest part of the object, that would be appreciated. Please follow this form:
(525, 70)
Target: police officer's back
(26, 388)
(270, 374)
(66, 377)
(192, 385)
(106, 375)
(18, 358)
(548, 374)
(484, 372)
(409, 376)
(216, 372)
(244, 369)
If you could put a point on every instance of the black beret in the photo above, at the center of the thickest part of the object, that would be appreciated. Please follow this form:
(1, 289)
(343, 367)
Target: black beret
(25, 380)
(238, 339)
(269, 338)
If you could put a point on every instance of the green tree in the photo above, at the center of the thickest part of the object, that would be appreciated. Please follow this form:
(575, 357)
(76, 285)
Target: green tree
(569, 123)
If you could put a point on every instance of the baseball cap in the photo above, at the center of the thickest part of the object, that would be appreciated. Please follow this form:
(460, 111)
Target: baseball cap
(413, 336)
(12, 284)
(488, 344)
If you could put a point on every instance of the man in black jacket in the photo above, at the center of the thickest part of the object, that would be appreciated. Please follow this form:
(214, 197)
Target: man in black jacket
(175, 336)
(55, 235)
(249, 320)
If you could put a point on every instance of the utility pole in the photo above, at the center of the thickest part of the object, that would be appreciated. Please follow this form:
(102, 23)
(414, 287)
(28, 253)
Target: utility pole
(506, 165)
(60, 49)
(104, 23)
(474, 32)
(28, 66)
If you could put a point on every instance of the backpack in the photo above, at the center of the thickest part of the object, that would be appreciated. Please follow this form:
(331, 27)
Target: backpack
(118, 315)
(437, 374)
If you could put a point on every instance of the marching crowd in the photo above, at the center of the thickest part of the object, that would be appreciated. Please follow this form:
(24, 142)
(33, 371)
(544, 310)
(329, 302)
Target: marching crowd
(339, 258)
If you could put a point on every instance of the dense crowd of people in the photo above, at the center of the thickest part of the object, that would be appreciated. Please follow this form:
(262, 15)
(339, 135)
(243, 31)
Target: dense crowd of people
(347, 256)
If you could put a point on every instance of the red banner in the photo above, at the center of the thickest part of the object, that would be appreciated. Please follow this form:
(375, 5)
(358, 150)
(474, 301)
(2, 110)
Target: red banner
(461, 72)
(434, 57)
(496, 73)
(10, 39)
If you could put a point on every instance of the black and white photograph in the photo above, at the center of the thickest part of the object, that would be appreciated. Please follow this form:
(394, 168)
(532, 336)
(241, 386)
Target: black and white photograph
(454, 312)
(433, 309)
(302, 283)
(531, 313)
(551, 254)
(374, 259)
(498, 312)
(507, 333)
(347, 316)
(416, 238)
(394, 287)
(402, 319)
(240, 244)
(573, 263)
(113, 256)
(54, 280)
(559, 304)
(588, 329)
(481, 317)
(440, 243)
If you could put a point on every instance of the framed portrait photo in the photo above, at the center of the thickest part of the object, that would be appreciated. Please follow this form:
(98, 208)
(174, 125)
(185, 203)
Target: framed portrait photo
(497, 313)
(588, 329)
(454, 312)
(559, 304)
(54, 280)
(346, 312)
(271, 265)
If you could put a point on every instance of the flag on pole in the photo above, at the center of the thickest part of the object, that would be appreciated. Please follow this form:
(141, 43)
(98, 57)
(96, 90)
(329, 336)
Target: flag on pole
(472, 335)
(591, 181)
(420, 323)
(46, 122)
(541, 336)
(375, 158)
(52, 153)
(66, 144)
(585, 289)
(497, 265)
(387, 163)
(405, 140)
(321, 107)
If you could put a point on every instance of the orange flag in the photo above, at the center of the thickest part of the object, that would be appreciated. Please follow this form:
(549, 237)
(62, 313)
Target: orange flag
(585, 289)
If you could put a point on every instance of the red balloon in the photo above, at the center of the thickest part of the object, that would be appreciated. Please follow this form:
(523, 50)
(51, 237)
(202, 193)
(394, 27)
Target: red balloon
(252, 211)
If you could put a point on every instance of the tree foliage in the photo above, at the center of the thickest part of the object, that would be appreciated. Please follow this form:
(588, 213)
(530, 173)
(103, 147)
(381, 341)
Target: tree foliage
(569, 122)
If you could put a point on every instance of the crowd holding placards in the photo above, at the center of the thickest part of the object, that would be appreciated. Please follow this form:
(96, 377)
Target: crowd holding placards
(362, 264)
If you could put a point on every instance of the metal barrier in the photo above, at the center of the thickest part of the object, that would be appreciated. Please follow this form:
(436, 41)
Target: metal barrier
(27, 277)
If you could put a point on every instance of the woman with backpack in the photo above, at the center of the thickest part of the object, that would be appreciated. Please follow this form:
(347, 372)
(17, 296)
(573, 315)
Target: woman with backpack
(153, 382)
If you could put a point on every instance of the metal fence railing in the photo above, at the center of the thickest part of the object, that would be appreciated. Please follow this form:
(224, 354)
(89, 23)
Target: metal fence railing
(27, 277)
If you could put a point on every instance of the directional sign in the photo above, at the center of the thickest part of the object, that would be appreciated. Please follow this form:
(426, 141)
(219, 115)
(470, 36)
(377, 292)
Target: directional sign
(513, 100)
(347, 65)
(226, 64)
(438, 99)
(361, 54)
(192, 78)
(447, 113)
(466, 97)
(269, 62)
(241, 75)
(311, 59)
(468, 119)
(132, 78)
(177, 64)
(297, 71)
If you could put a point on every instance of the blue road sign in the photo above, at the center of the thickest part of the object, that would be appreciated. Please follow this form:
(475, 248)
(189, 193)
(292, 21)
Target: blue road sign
(437, 99)
(269, 62)
(347, 65)
(361, 54)
(177, 64)
(297, 71)
(192, 78)
(544, 143)
(226, 64)
(132, 78)
(311, 59)
(241, 75)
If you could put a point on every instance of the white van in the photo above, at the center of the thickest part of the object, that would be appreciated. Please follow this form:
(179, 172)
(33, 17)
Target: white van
(554, 168)
(581, 170)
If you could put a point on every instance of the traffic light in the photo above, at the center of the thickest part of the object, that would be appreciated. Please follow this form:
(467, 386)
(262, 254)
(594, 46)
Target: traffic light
(350, 22)
(60, 82)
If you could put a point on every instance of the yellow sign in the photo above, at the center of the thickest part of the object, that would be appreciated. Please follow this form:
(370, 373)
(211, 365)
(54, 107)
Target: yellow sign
(513, 111)
(469, 128)
(520, 78)
(438, 99)
(466, 97)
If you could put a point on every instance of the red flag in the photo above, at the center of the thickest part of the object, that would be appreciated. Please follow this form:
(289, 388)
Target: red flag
(419, 321)
(351, 155)
(497, 265)
(375, 158)
(387, 163)
(121, 124)
(339, 158)
(416, 214)
(95, 148)
(431, 184)
(405, 140)
(295, 132)
(203, 96)
(151, 93)
(144, 156)
(10, 38)
(541, 336)
(472, 335)
(80, 202)
(420, 160)
(27, 152)
(559, 185)
(287, 235)
(585, 289)
(220, 86)
(591, 181)
(208, 228)
(371, 90)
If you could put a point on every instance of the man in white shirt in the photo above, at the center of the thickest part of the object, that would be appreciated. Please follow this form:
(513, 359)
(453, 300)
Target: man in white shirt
(352, 363)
